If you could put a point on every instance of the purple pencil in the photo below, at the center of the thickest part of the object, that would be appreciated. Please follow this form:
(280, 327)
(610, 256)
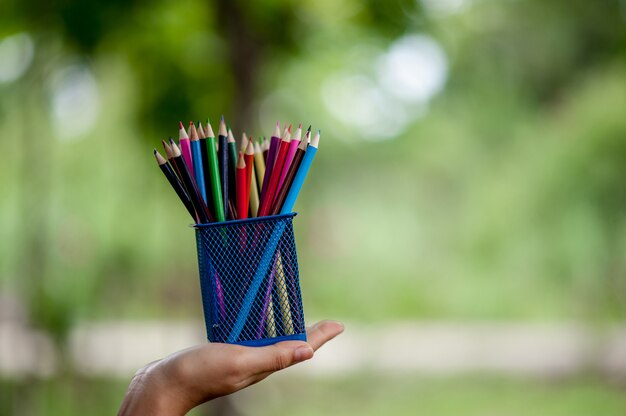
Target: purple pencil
(269, 163)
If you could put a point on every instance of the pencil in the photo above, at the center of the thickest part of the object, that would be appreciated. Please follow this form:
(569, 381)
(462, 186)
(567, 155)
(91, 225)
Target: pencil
(272, 186)
(169, 154)
(196, 155)
(295, 164)
(204, 154)
(253, 192)
(185, 147)
(232, 163)
(265, 147)
(242, 188)
(223, 163)
(190, 185)
(298, 180)
(269, 161)
(259, 165)
(216, 187)
(244, 142)
(173, 180)
(291, 152)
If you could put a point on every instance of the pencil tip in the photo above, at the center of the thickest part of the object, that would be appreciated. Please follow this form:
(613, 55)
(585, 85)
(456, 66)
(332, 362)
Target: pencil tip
(309, 129)
(222, 118)
(155, 151)
(300, 125)
(180, 125)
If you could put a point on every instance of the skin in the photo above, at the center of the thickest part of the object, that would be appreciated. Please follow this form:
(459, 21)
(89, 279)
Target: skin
(178, 383)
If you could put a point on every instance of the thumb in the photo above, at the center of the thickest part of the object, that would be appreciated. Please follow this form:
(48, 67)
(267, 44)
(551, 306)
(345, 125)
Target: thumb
(278, 356)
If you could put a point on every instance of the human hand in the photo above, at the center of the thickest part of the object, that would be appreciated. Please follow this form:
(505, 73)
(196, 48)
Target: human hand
(178, 383)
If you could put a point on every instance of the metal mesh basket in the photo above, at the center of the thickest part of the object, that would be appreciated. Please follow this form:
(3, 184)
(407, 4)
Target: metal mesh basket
(249, 281)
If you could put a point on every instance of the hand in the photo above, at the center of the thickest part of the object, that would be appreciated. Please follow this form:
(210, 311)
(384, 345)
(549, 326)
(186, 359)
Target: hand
(183, 380)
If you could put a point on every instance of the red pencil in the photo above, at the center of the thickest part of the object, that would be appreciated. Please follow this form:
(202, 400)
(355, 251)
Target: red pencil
(268, 198)
(242, 188)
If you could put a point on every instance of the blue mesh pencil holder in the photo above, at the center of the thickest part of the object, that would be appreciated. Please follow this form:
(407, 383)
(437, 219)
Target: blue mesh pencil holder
(249, 281)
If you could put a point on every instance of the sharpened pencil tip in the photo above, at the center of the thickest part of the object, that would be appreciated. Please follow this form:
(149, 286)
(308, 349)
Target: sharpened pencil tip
(155, 151)
(309, 129)
(180, 125)
(222, 119)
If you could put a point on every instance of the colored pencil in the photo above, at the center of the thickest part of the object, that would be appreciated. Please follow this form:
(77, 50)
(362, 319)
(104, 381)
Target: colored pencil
(266, 201)
(185, 147)
(223, 164)
(196, 155)
(295, 164)
(232, 164)
(283, 296)
(244, 142)
(269, 161)
(265, 147)
(170, 155)
(190, 185)
(259, 165)
(204, 154)
(298, 180)
(175, 183)
(291, 152)
(253, 192)
(242, 188)
(216, 186)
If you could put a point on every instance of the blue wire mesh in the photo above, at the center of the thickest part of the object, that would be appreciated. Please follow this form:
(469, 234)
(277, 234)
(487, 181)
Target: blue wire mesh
(249, 281)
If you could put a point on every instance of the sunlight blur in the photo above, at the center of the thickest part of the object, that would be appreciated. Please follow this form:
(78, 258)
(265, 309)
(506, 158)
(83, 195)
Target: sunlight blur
(16, 55)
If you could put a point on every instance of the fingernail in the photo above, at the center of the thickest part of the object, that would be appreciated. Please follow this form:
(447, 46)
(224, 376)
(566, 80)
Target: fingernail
(303, 353)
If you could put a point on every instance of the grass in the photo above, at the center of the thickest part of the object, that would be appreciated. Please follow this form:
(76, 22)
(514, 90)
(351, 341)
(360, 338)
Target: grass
(409, 395)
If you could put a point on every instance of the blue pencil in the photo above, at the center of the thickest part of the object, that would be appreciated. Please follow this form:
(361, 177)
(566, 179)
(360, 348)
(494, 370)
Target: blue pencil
(303, 170)
(196, 156)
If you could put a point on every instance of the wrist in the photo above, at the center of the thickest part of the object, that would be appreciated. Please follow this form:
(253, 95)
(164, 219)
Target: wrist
(151, 393)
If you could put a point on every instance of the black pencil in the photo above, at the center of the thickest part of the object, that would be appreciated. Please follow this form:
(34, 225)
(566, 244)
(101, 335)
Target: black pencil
(190, 185)
(222, 154)
(173, 180)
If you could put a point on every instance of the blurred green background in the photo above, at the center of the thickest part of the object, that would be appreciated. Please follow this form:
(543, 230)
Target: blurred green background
(472, 168)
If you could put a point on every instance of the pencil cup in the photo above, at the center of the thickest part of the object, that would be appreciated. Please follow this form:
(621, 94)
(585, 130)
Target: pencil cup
(249, 281)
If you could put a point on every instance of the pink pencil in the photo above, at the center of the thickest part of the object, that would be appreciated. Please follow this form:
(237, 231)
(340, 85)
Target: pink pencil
(185, 147)
(291, 151)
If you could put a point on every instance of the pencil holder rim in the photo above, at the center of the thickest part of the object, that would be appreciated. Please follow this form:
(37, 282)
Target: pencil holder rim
(246, 221)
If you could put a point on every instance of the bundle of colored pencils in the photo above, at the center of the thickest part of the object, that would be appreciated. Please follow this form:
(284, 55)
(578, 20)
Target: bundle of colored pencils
(216, 183)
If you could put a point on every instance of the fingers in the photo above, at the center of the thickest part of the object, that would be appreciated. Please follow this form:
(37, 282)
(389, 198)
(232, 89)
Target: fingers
(266, 360)
(322, 332)
(275, 357)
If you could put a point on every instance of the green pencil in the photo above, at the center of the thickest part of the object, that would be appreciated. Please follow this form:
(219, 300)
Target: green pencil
(215, 173)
